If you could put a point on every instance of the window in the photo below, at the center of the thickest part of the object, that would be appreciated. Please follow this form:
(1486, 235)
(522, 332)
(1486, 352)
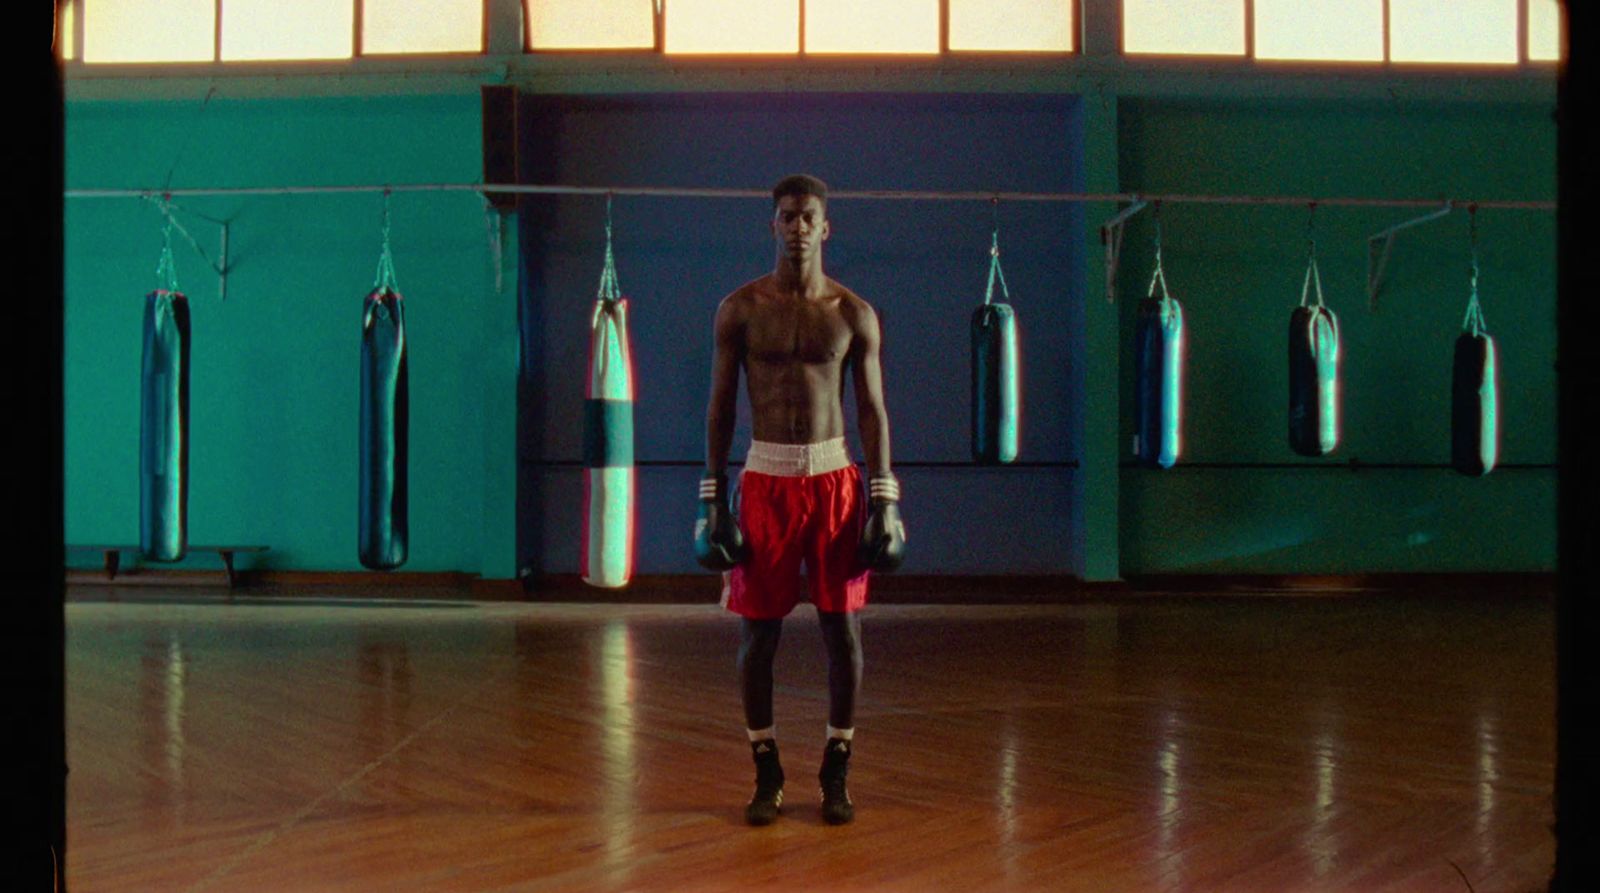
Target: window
(1453, 31)
(287, 29)
(421, 26)
(1012, 25)
(1406, 31)
(1544, 30)
(1188, 27)
(592, 24)
(1344, 30)
(66, 21)
(883, 26)
(149, 30)
(733, 26)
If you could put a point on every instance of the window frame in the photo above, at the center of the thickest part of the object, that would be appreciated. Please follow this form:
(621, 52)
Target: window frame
(1096, 65)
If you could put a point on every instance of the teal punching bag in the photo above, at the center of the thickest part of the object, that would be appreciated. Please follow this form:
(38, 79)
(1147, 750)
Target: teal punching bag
(996, 379)
(382, 528)
(164, 414)
(1158, 369)
(608, 472)
(1475, 387)
(1313, 372)
(164, 427)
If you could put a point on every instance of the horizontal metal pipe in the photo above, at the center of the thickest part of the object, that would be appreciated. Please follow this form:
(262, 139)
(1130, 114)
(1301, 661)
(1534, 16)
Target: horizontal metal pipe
(877, 194)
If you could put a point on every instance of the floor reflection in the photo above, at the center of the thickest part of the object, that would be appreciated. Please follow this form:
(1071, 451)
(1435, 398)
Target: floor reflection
(163, 691)
(1169, 762)
(383, 668)
(618, 745)
(1320, 844)
(1488, 778)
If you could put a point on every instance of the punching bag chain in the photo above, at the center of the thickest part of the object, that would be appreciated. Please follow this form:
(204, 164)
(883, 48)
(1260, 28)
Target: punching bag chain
(1312, 273)
(1474, 321)
(609, 289)
(166, 270)
(385, 280)
(994, 261)
(1158, 275)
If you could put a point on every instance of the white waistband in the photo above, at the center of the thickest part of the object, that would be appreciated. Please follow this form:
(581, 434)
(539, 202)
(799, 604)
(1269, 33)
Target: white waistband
(797, 459)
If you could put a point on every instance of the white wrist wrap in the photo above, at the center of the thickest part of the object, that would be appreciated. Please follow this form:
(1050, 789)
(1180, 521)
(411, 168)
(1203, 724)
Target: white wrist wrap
(885, 487)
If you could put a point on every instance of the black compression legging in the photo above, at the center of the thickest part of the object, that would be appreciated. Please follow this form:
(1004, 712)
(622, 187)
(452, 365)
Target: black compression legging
(841, 634)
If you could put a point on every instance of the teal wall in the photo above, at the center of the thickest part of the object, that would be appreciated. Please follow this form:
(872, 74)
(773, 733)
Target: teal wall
(1238, 273)
(274, 407)
(275, 366)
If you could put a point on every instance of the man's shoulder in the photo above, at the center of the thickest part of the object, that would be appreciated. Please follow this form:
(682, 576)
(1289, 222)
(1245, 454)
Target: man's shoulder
(740, 300)
(748, 291)
(851, 304)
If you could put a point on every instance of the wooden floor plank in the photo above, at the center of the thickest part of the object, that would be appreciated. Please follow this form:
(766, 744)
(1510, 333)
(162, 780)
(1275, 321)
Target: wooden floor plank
(1373, 743)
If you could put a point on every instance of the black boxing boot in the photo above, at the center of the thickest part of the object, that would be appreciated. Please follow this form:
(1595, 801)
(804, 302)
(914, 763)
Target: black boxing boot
(836, 806)
(764, 807)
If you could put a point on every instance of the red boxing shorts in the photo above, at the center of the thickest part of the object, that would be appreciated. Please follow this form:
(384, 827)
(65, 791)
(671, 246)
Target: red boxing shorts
(798, 503)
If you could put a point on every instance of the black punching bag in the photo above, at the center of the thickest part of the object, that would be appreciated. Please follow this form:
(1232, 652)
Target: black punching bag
(1313, 374)
(996, 390)
(384, 413)
(164, 427)
(1474, 385)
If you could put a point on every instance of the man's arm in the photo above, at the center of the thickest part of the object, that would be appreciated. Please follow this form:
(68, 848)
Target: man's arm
(727, 357)
(872, 418)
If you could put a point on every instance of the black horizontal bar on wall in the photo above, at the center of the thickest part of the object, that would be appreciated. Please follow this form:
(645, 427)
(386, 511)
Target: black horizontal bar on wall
(1349, 465)
(697, 463)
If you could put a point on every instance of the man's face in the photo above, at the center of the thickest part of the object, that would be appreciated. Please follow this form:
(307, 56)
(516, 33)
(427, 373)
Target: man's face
(800, 225)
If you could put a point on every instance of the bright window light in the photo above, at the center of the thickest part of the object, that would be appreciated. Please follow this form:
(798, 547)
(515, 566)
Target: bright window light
(421, 26)
(1183, 27)
(287, 29)
(64, 26)
(592, 24)
(1453, 31)
(1544, 30)
(1017, 25)
(1320, 30)
(883, 26)
(733, 26)
(149, 30)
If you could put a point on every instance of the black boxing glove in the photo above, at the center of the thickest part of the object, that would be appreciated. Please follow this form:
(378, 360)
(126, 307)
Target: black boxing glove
(718, 541)
(883, 537)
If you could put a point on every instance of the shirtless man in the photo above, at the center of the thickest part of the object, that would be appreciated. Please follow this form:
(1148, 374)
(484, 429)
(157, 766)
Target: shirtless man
(794, 332)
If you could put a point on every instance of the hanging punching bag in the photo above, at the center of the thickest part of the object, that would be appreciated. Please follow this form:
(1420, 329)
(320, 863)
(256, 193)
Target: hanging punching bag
(1313, 373)
(385, 410)
(608, 477)
(996, 385)
(164, 427)
(1158, 367)
(1474, 399)
(1474, 385)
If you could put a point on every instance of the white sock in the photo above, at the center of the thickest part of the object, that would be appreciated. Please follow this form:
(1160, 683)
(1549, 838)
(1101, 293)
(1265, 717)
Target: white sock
(845, 734)
(770, 733)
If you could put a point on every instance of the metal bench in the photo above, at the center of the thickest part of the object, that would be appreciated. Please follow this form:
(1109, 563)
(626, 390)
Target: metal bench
(113, 556)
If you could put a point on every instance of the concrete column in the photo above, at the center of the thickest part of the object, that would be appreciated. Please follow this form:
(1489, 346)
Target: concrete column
(1099, 472)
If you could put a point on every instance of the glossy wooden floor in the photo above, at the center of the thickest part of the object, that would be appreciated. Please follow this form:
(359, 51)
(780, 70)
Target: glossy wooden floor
(1259, 744)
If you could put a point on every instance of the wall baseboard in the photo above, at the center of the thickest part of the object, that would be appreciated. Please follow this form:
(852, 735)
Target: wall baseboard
(705, 588)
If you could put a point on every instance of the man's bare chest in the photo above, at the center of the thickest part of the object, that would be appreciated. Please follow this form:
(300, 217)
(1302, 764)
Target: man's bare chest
(798, 333)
